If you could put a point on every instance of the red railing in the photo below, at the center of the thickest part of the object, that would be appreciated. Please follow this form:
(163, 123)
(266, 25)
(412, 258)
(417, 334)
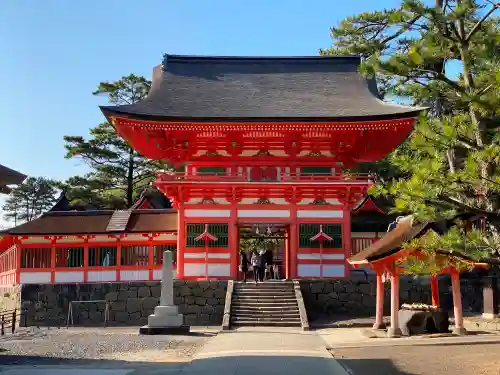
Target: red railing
(8, 266)
(283, 177)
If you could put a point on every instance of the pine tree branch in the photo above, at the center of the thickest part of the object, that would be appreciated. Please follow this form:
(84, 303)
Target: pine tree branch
(479, 23)
(401, 31)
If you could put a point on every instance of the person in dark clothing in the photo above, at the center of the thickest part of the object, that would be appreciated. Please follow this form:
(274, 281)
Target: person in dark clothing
(268, 257)
(255, 266)
(261, 261)
(244, 265)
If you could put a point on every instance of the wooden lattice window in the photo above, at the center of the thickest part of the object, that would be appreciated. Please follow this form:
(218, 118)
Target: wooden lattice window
(135, 255)
(216, 171)
(306, 231)
(69, 257)
(102, 256)
(35, 257)
(218, 230)
(158, 252)
(321, 171)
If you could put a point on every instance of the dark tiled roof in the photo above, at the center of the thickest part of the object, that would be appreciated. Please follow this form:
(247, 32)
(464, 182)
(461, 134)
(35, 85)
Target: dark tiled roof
(152, 198)
(259, 88)
(392, 241)
(96, 222)
(9, 177)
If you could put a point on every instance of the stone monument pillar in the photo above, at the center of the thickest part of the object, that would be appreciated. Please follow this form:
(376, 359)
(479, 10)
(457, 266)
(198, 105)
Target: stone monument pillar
(166, 319)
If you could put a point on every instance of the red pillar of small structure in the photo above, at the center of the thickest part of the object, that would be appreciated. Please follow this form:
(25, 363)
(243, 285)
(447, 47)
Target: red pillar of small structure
(435, 292)
(379, 313)
(394, 330)
(457, 304)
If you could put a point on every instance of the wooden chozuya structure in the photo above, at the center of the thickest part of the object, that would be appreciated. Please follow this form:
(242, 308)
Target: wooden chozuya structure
(386, 256)
(263, 141)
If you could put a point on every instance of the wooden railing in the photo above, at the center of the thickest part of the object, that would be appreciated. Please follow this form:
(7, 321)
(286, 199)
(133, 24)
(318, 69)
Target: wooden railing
(8, 266)
(9, 320)
(176, 177)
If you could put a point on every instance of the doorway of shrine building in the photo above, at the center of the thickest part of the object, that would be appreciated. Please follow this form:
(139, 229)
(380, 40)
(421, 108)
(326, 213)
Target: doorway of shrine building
(268, 240)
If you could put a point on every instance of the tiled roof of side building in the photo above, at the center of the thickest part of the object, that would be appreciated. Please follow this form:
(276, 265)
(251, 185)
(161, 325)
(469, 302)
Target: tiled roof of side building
(96, 222)
(318, 88)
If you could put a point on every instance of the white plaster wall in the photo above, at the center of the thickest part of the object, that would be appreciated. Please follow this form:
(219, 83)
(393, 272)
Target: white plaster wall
(35, 278)
(101, 276)
(320, 214)
(69, 277)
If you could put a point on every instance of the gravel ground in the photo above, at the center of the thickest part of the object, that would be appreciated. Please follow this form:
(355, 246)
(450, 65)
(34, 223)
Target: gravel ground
(97, 344)
(470, 359)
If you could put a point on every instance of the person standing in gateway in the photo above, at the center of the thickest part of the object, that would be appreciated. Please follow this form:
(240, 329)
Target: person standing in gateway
(244, 265)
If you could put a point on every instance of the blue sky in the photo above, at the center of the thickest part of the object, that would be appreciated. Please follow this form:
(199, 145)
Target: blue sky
(54, 53)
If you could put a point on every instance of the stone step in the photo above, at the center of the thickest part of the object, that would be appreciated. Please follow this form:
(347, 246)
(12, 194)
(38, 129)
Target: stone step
(276, 299)
(264, 294)
(264, 324)
(264, 308)
(275, 321)
(263, 303)
(268, 291)
(264, 314)
(263, 286)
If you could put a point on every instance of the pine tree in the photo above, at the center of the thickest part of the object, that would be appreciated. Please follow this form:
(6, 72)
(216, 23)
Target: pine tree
(451, 161)
(118, 173)
(30, 199)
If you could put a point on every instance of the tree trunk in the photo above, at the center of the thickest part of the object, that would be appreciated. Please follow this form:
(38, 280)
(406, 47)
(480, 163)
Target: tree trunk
(130, 178)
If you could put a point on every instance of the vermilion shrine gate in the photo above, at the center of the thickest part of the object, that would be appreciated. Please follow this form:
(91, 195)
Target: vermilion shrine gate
(263, 140)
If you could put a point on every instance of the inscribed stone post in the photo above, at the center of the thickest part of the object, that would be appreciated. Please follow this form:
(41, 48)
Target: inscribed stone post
(167, 282)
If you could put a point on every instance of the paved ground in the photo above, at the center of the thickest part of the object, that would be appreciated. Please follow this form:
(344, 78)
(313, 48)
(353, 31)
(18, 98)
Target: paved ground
(475, 354)
(483, 359)
(277, 351)
(340, 351)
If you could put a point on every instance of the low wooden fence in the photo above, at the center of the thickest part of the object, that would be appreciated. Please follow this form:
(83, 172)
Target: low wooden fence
(10, 320)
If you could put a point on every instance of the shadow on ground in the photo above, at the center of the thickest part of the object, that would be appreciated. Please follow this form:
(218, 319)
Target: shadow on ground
(226, 365)
(371, 367)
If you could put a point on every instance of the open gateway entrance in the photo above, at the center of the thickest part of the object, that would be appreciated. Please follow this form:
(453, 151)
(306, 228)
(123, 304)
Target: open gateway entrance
(271, 241)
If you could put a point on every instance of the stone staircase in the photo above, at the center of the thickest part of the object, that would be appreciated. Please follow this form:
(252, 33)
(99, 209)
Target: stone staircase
(266, 304)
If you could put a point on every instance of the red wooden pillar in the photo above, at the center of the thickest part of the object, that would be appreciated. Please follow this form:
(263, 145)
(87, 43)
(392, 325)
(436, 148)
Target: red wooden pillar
(457, 304)
(86, 259)
(181, 241)
(346, 239)
(53, 262)
(293, 240)
(293, 250)
(234, 243)
(379, 313)
(394, 330)
(435, 291)
(150, 259)
(118, 261)
(286, 258)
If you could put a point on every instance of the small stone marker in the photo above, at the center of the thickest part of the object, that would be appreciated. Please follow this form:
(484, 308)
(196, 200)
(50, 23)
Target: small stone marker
(166, 318)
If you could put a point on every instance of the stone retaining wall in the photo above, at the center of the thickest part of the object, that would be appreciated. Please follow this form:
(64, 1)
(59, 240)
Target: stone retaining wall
(201, 302)
(356, 297)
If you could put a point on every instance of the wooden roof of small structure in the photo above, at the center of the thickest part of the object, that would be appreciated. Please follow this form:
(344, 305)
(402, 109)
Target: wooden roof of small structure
(232, 89)
(9, 177)
(390, 243)
(96, 222)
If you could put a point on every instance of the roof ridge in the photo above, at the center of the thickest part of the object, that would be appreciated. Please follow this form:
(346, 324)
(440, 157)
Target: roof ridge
(194, 58)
